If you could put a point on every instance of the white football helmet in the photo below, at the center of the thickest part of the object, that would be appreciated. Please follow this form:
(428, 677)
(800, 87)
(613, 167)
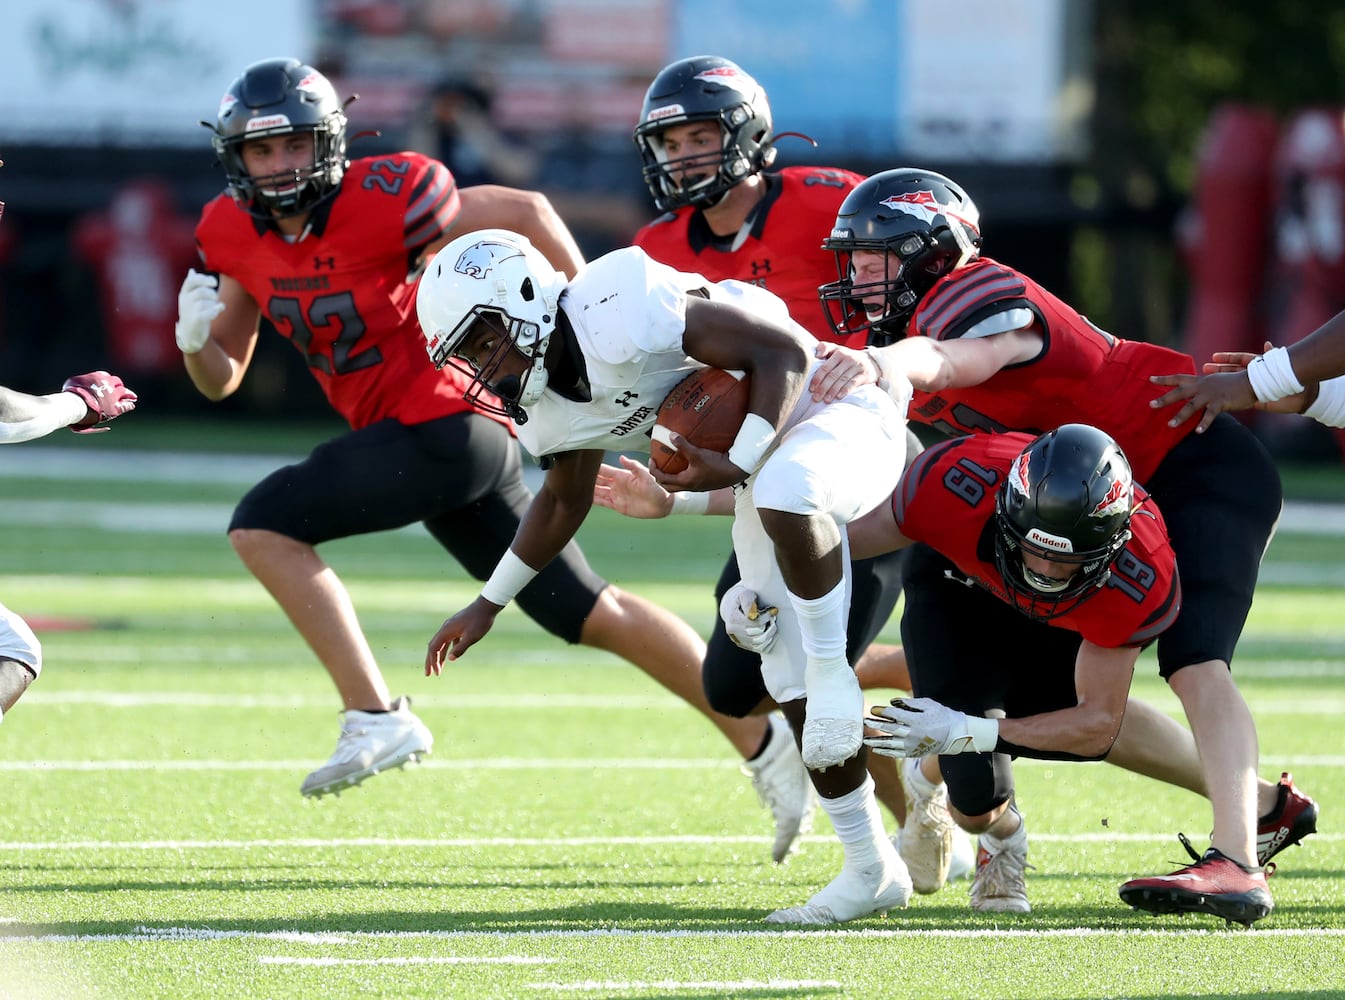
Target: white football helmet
(499, 278)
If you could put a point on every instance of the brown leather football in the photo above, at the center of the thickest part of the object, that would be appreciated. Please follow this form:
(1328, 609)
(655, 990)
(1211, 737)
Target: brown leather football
(707, 408)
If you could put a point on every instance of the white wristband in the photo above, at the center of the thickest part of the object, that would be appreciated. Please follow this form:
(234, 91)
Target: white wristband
(511, 575)
(1272, 376)
(984, 733)
(1329, 406)
(690, 503)
(754, 438)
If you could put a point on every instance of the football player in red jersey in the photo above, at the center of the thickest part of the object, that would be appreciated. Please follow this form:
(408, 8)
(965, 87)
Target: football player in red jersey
(1065, 566)
(330, 251)
(706, 138)
(987, 348)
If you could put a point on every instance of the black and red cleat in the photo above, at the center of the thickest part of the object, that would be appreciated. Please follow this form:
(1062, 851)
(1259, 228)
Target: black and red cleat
(1215, 884)
(1293, 818)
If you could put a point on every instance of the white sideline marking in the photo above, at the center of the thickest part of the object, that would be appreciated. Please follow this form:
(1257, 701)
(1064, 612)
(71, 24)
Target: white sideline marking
(193, 699)
(202, 699)
(408, 960)
(452, 764)
(720, 840)
(1269, 764)
(173, 934)
(718, 985)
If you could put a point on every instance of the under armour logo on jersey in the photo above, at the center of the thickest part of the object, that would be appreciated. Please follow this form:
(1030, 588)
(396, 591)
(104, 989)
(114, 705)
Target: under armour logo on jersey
(625, 398)
(321, 262)
(761, 267)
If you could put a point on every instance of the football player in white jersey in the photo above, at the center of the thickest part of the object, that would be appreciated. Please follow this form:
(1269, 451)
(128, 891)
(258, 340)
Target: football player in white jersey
(581, 367)
(85, 404)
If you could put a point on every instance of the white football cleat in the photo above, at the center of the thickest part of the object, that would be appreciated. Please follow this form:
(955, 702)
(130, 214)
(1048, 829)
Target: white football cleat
(853, 894)
(1001, 883)
(783, 785)
(833, 730)
(927, 837)
(370, 742)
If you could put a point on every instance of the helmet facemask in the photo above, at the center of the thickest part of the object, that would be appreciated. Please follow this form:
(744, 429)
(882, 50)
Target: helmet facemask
(485, 296)
(504, 335)
(921, 217)
(290, 192)
(270, 100)
(1067, 498)
(704, 89)
(881, 308)
(701, 179)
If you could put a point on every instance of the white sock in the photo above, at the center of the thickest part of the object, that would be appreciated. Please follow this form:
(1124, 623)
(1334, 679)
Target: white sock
(858, 823)
(915, 777)
(1016, 839)
(822, 622)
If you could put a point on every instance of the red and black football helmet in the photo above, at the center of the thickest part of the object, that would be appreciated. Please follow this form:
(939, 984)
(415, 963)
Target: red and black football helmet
(921, 217)
(704, 88)
(1068, 498)
(277, 97)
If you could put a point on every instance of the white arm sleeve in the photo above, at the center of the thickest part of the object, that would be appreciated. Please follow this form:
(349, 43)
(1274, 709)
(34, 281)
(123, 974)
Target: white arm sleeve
(61, 410)
(1329, 406)
(17, 641)
(1001, 322)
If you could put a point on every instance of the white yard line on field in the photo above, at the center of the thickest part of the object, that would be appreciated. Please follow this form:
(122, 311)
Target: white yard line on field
(730, 987)
(106, 464)
(530, 843)
(325, 960)
(518, 764)
(176, 934)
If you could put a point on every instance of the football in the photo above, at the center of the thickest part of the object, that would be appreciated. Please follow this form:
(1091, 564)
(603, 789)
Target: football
(707, 408)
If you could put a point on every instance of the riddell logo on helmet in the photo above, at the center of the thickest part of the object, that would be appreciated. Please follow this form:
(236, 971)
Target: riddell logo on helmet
(667, 111)
(267, 122)
(1047, 541)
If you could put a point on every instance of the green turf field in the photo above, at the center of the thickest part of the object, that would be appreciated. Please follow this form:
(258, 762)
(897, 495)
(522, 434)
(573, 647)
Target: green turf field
(577, 832)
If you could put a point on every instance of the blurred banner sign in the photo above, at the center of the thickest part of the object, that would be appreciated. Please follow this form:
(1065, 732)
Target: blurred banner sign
(1004, 81)
(133, 72)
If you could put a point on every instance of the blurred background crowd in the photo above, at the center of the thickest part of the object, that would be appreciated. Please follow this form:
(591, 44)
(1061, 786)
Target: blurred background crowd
(1175, 170)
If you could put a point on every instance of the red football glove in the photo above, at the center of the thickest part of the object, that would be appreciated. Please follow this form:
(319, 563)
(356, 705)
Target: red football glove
(104, 394)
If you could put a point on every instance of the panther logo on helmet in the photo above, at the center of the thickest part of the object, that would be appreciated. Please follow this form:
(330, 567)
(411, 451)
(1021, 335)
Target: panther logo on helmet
(479, 258)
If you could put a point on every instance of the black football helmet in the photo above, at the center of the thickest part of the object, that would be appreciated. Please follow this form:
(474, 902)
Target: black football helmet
(1067, 498)
(703, 88)
(925, 220)
(277, 97)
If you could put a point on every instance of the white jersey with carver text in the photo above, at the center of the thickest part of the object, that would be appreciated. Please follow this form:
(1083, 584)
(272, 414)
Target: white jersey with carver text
(629, 313)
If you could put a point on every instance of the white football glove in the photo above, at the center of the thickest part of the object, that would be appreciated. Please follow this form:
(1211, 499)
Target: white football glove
(748, 624)
(197, 304)
(917, 727)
